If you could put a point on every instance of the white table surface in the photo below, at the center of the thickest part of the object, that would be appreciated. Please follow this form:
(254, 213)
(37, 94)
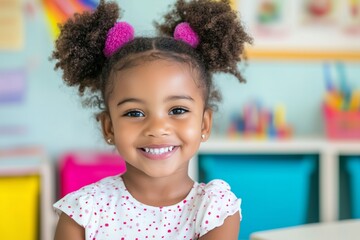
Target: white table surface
(340, 230)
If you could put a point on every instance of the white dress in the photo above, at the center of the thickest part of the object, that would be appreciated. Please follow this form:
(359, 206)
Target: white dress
(108, 211)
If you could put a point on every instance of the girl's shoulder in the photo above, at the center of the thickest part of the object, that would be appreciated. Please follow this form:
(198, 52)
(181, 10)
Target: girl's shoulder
(104, 188)
(214, 203)
(216, 191)
(80, 204)
(215, 184)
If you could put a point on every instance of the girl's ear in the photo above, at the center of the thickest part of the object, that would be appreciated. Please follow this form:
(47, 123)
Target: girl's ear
(106, 126)
(206, 124)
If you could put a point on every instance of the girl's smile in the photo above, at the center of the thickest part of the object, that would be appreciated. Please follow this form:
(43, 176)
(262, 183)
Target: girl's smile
(158, 152)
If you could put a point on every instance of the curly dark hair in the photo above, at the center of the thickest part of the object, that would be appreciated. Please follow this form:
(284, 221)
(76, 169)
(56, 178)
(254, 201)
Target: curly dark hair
(79, 48)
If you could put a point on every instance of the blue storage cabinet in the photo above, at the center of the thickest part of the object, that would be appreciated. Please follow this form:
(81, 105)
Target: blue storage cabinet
(353, 168)
(274, 188)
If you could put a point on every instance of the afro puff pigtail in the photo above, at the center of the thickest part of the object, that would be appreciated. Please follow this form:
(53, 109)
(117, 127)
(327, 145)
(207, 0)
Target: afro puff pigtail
(79, 47)
(222, 36)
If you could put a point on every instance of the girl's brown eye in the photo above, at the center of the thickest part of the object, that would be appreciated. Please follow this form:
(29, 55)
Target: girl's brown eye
(134, 114)
(178, 111)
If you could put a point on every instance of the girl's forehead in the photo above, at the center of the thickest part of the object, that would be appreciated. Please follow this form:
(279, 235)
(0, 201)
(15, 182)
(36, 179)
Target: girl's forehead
(158, 77)
(157, 69)
(156, 57)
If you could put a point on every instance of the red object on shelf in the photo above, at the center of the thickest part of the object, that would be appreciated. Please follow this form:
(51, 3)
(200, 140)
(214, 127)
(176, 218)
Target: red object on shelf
(81, 168)
(341, 124)
(319, 8)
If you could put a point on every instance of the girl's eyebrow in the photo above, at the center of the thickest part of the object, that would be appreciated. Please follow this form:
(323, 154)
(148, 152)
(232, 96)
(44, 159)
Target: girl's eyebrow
(136, 100)
(179, 97)
(168, 99)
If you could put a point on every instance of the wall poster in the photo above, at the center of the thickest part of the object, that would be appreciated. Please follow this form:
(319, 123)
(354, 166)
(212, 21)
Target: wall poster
(328, 29)
(11, 25)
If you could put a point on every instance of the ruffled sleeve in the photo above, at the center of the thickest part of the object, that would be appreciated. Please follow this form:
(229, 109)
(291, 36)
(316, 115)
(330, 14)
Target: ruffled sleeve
(218, 203)
(78, 205)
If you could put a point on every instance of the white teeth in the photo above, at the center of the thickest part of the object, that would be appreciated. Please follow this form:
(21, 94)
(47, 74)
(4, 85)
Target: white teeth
(159, 150)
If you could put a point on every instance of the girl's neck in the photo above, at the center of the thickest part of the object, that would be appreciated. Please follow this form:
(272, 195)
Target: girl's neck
(164, 191)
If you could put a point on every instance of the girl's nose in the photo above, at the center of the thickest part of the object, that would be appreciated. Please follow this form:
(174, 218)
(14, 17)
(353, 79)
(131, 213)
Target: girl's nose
(157, 127)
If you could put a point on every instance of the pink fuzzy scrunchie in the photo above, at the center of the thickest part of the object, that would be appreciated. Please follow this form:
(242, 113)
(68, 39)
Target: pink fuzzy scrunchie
(120, 34)
(184, 32)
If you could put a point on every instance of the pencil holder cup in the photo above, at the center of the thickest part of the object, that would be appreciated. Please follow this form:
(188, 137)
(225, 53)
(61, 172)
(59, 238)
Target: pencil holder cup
(341, 124)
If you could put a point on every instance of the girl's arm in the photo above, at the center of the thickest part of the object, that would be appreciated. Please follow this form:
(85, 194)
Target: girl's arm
(229, 230)
(68, 229)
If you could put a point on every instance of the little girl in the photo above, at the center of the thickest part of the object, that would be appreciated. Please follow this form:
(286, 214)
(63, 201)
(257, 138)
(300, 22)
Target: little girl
(156, 99)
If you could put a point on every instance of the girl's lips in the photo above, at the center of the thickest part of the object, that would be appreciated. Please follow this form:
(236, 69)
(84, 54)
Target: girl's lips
(157, 154)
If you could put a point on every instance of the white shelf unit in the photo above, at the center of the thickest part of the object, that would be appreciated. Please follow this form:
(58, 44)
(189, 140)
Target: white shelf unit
(328, 151)
(34, 161)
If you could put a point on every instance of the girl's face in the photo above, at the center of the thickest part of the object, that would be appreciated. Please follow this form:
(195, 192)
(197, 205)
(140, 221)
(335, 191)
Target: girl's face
(157, 117)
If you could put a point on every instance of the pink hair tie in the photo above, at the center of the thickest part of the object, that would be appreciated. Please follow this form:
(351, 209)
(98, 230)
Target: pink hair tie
(184, 32)
(120, 34)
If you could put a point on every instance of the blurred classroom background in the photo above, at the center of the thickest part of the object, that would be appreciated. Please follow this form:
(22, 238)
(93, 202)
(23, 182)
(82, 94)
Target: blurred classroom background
(287, 141)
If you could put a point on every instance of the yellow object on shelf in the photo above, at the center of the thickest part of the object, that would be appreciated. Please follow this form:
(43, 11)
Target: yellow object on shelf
(334, 100)
(280, 116)
(19, 207)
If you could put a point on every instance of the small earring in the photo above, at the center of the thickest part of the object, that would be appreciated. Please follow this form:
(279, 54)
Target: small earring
(203, 136)
(109, 140)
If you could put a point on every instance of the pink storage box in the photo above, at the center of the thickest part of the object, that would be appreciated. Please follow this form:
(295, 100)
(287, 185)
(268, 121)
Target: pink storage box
(341, 124)
(78, 169)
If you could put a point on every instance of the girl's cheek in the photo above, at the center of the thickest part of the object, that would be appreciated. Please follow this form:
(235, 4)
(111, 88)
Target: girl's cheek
(191, 129)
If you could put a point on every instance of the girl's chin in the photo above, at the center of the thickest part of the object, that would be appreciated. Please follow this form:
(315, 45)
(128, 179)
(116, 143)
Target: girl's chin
(160, 173)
